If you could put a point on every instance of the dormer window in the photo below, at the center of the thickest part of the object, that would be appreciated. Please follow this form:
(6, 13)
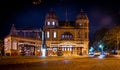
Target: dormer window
(53, 23)
(48, 23)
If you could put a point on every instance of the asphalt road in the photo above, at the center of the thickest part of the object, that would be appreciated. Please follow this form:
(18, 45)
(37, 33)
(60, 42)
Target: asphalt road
(84, 63)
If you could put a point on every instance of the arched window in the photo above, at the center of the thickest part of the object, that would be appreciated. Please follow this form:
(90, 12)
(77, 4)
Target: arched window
(66, 35)
(53, 23)
(48, 23)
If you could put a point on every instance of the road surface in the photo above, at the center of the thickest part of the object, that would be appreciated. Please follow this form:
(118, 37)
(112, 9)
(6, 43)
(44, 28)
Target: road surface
(95, 63)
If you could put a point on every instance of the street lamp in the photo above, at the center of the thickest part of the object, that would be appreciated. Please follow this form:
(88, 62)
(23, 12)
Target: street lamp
(118, 42)
(91, 49)
(43, 48)
(101, 47)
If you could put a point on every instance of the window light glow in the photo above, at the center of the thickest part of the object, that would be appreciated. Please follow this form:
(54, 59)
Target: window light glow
(70, 49)
(65, 49)
(48, 34)
(48, 23)
(54, 34)
(14, 45)
(53, 23)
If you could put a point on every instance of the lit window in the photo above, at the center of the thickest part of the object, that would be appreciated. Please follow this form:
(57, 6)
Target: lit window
(65, 49)
(48, 34)
(48, 23)
(68, 49)
(62, 36)
(54, 49)
(53, 23)
(7, 44)
(62, 49)
(14, 45)
(54, 34)
(67, 35)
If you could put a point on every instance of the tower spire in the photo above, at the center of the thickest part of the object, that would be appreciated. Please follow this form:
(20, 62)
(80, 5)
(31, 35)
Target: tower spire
(12, 31)
(66, 14)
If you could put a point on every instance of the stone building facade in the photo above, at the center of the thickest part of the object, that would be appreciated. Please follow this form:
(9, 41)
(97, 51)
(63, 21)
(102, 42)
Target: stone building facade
(66, 38)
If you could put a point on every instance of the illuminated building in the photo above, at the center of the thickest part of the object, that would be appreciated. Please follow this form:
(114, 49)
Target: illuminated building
(68, 37)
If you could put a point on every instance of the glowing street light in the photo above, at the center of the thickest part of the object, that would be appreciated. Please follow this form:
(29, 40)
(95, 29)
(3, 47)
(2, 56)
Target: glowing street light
(43, 48)
(101, 47)
(91, 49)
(43, 52)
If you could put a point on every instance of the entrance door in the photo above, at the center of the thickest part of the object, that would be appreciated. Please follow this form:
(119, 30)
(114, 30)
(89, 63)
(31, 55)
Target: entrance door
(79, 51)
(67, 48)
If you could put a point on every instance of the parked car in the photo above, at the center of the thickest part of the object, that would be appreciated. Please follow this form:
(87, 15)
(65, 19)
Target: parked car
(107, 53)
(91, 53)
(97, 53)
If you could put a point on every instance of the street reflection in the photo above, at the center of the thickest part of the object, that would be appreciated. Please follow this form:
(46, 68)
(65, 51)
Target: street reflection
(66, 61)
(44, 63)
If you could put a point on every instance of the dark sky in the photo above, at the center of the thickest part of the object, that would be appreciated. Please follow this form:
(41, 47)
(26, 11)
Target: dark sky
(23, 13)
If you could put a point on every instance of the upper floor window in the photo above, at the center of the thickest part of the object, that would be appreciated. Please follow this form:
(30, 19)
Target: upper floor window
(48, 23)
(54, 34)
(48, 34)
(53, 23)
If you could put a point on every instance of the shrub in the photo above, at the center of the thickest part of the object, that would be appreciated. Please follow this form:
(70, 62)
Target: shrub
(7, 54)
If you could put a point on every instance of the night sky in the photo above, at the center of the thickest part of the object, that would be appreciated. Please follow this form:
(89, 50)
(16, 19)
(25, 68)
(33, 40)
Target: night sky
(23, 13)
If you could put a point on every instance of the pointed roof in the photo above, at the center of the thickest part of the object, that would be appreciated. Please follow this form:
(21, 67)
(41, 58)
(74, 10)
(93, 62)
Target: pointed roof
(51, 14)
(82, 15)
(66, 15)
(12, 31)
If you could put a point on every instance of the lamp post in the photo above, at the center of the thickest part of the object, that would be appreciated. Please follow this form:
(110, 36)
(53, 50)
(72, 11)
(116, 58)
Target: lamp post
(101, 46)
(43, 48)
(118, 42)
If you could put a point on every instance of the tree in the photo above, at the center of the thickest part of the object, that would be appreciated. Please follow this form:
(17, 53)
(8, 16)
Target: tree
(112, 38)
(98, 36)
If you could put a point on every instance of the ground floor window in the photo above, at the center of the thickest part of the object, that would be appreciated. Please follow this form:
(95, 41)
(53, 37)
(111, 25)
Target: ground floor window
(65, 51)
(27, 50)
